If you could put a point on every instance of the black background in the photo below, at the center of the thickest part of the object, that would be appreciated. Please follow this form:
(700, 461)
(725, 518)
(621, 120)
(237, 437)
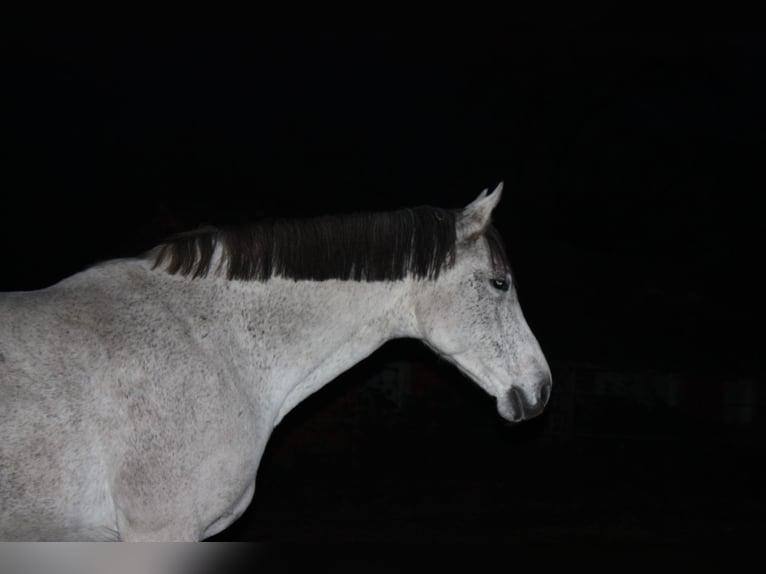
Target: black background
(631, 152)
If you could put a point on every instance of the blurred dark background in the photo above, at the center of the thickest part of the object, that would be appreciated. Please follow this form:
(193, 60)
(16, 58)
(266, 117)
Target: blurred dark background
(631, 152)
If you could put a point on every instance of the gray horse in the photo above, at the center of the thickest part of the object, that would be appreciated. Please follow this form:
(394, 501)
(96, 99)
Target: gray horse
(137, 397)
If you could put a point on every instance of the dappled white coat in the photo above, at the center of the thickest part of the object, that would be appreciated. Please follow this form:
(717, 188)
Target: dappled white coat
(136, 404)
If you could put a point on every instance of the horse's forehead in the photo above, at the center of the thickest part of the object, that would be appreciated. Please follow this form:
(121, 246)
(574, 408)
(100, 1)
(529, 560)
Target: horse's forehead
(473, 254)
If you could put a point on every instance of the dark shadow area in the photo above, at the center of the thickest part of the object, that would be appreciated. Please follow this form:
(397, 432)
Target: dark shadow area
(402, 448)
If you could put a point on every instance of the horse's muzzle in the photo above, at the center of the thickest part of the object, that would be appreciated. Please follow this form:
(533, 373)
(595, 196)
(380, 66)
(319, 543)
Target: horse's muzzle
(521, 407)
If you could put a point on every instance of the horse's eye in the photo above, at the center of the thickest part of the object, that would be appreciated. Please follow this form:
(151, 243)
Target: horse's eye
(500, 284)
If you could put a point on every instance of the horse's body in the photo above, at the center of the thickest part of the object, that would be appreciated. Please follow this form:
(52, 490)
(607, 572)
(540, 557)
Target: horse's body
(137, 397)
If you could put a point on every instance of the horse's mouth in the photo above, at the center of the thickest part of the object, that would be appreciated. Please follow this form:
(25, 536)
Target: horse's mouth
(516, 406)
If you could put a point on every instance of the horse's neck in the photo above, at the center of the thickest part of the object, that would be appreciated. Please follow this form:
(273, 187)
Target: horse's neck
(309, 332)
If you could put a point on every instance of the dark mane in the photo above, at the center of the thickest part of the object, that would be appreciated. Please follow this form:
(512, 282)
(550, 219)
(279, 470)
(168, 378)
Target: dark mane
(361, 247)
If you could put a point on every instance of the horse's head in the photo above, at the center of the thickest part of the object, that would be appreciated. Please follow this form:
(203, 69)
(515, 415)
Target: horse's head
(471, 316)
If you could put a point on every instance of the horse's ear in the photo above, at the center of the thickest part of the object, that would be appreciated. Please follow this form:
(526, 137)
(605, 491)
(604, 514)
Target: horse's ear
(476, 215)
